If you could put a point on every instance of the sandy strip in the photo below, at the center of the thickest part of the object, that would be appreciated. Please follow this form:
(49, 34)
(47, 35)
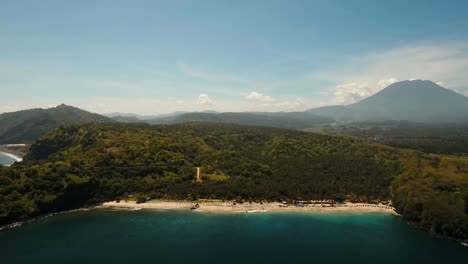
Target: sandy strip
(229, 207)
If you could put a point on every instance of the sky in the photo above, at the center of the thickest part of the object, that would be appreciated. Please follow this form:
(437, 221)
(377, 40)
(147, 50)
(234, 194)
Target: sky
(154, 57)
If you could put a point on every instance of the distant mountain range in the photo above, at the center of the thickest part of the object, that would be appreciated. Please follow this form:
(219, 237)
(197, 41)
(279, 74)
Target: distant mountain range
(28, 125)
(140, 117)
(290, 120)
(413, 101)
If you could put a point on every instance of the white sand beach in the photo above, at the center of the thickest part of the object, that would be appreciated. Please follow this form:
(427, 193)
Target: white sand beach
(231, 207)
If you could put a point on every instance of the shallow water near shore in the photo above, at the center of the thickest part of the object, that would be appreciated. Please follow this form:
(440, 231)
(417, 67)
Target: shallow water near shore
(151, 236)
(6, 160)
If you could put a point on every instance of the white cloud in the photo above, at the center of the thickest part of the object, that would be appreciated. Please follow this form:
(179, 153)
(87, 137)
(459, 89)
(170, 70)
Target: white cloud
(204, 99)
(348, 93)
(385, 82)
(259, 97)
(351, 92)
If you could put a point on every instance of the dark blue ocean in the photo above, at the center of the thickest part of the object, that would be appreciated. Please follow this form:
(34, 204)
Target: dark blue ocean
(105, 236)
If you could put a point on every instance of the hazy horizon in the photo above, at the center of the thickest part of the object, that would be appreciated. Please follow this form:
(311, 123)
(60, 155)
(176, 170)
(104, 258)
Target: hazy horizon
(158, 57)
(150, 115)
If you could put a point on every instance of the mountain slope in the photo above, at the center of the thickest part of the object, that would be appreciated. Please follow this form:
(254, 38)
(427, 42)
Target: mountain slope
(28, 125)
(418, 101)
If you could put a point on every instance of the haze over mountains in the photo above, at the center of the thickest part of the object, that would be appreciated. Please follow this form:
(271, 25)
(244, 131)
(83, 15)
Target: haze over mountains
(414, 101)
(289, 120)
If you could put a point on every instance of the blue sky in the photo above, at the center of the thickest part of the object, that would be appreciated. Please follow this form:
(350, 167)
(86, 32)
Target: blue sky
(154, 57)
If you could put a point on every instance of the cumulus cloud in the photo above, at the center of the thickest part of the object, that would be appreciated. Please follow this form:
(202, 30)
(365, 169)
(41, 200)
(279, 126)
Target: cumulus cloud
(351, 92)
(267, 103)
(381, 84)
(259, 97)
(348, 93)
(204, 99)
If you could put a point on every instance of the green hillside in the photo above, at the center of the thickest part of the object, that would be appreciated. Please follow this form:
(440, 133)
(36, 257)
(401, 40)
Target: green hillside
(28, 125)
(79, 165)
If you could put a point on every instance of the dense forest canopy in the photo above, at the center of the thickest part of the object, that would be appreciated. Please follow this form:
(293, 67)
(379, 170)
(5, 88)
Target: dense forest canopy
(85, 164)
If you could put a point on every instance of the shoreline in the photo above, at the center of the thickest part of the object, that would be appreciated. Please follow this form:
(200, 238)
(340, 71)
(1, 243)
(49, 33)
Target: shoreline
(230, 207)
(41, 218)
(13, 156)
(213, 207)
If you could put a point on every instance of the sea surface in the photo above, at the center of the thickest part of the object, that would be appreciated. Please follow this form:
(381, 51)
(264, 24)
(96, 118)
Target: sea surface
(6, 160)
(149, 236)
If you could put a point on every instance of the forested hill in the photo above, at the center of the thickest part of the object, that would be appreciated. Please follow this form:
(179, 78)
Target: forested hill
(28, 125)
(79, 165)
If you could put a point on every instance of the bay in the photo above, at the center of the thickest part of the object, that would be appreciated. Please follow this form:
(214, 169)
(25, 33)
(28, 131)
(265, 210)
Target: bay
(150, 236)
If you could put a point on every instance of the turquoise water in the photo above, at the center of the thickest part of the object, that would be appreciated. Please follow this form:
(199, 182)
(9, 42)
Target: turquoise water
(104, 236)
(5, 160)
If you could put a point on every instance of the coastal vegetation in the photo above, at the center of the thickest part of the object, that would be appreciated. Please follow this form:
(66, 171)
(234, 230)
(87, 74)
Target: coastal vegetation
(80, 165)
